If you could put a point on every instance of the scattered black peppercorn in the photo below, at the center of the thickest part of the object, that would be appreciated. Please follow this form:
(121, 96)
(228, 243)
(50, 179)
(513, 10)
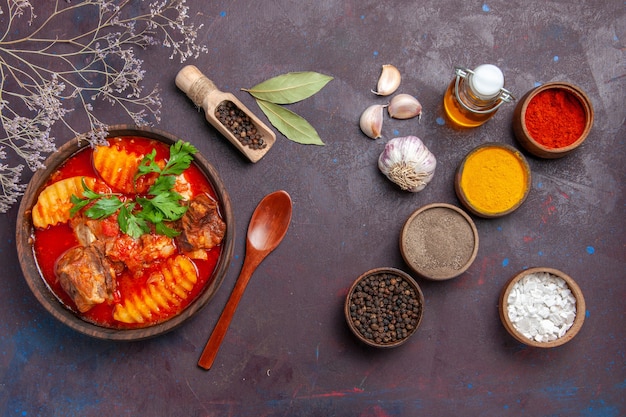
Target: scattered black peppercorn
(384, 308)
(240, 125)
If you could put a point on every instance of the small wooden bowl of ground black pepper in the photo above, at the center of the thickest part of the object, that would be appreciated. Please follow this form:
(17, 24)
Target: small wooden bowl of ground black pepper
(384, 307)
(439, 241)
(552, 120)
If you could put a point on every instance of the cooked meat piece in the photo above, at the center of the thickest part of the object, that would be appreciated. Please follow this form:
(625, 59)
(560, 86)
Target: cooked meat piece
(202, 226)
(84, 233)
(86, 276)
(136, 254)
(122, 250)
(156, 247)
(183, 187)
(89, 230)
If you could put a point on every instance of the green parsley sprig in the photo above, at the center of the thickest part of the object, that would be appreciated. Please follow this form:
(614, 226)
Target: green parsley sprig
(160, 204)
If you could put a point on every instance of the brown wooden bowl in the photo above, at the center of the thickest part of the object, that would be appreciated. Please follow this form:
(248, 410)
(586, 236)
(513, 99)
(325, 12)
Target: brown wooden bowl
(524, 137)
(518, 335)
(44, 294)
(439, 241)
(354, 313)
(472, 200)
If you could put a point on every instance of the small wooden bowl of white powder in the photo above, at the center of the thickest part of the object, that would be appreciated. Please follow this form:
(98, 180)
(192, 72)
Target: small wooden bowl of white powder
(542, 307)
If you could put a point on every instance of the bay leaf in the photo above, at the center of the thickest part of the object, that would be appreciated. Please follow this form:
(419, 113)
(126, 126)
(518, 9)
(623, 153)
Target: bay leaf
(290, 87)
(293, 126)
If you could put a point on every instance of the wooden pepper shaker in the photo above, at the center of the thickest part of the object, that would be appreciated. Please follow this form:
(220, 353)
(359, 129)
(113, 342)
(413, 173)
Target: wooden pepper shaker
(253, 143)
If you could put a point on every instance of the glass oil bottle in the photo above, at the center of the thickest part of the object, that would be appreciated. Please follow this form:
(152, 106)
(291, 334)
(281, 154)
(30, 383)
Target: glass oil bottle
(474, 96)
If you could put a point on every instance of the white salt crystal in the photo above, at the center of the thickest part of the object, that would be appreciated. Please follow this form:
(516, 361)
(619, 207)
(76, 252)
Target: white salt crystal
(523, 325)
(556, 319)
(546, 327)
(541, 307)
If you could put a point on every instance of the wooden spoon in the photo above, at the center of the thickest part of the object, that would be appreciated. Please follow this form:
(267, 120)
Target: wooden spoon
(268, 226)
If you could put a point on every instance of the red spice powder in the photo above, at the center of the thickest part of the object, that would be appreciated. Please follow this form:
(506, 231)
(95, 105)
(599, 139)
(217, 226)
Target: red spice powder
(555, 118)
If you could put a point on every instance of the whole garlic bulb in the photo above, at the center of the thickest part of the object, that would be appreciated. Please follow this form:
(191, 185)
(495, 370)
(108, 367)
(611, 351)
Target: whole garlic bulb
(407, 162)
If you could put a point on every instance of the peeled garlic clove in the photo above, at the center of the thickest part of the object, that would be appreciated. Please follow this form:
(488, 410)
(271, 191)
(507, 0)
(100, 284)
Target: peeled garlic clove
(371, 121)
(389, 80)
(404, 106)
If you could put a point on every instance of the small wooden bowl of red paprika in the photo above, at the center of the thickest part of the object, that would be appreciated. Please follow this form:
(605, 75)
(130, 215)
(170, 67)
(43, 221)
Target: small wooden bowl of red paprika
(552, 120)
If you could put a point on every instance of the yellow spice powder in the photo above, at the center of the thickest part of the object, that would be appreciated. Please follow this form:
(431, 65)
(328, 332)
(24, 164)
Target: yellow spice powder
(494, 179)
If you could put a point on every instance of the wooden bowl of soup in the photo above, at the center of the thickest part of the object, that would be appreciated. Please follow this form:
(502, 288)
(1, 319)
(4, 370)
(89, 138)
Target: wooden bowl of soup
(125, 241)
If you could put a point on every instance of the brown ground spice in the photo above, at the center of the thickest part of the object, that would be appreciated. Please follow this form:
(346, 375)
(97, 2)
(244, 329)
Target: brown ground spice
(439, 242)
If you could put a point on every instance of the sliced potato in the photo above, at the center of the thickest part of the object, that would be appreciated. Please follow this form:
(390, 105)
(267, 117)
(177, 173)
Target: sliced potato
(54, 202)
(165, 291)
(116, 167)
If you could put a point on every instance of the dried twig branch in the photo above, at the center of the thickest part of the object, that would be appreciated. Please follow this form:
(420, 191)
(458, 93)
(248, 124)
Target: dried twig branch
(44, 75)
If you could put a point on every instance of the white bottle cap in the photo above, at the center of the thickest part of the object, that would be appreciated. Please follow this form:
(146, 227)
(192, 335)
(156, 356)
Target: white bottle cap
(486, 81)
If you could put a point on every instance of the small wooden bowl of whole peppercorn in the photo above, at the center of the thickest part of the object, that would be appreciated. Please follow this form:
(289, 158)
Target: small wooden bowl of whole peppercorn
(384, 307)
(552, 120)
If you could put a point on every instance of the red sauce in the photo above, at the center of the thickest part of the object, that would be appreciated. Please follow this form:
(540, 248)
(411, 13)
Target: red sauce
(52, 242)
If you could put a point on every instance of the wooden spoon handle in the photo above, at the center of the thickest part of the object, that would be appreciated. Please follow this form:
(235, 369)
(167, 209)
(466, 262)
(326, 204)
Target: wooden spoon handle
(210, 350)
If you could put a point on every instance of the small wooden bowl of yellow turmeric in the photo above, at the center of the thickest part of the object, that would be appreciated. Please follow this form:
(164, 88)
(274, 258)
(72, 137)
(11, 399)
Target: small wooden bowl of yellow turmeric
(493, 180)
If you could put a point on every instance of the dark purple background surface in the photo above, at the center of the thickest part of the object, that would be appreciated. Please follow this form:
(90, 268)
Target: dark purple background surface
(288, 351)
